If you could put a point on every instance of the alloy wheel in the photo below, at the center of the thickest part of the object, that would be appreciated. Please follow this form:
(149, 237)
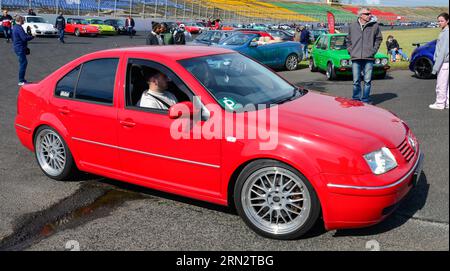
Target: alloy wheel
(50, 152)
(276, 200)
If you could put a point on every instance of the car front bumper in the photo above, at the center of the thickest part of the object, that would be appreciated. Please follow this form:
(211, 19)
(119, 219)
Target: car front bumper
(351, 206)
(348, 70)
(46, 32)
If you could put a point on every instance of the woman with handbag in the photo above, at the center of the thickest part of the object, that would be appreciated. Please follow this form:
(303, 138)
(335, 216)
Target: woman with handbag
(20, 43)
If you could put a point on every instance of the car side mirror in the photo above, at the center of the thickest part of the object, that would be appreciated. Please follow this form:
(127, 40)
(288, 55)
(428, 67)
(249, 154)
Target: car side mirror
(254, 44)
(182, 110)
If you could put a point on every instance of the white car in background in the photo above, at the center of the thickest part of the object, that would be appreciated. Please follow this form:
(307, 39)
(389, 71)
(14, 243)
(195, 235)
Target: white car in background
(38, 26)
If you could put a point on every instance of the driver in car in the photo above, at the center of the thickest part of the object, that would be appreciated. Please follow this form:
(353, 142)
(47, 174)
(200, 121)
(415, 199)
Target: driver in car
(157, 96)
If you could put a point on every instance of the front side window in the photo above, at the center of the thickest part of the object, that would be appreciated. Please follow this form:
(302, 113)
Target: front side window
(236, 78)
(96, 81)
(319, 42)
(324, 43)
(153, 86)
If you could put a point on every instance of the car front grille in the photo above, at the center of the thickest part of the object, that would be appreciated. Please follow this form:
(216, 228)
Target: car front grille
(406, 150)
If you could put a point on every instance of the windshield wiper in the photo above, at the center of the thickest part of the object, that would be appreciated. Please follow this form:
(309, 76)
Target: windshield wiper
(297, 92)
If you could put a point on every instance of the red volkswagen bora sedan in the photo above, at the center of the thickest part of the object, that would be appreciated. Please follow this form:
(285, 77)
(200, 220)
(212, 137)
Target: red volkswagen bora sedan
(347, 162)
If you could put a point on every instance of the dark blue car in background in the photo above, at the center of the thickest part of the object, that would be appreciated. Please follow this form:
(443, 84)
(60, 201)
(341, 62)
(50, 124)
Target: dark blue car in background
(422, 60)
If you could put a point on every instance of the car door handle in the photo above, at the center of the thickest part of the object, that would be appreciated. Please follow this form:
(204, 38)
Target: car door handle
(64, 111)
(127, 123)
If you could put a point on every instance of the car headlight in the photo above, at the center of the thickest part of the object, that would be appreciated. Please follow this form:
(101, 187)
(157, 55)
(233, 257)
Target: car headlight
(344, 62)
(384, 61)
(381, 161)
(35, 26)
(377, 61)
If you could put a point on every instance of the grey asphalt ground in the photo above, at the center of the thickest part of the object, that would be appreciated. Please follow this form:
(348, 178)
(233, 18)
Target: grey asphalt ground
(127, 217)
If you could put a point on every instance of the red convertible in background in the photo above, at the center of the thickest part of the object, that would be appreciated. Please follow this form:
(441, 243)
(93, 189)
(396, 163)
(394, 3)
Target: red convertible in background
(348, 162)
(193, 29)
(80, 27)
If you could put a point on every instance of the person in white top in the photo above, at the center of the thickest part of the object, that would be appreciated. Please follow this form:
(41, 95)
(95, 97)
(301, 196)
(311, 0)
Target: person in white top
(157, 96)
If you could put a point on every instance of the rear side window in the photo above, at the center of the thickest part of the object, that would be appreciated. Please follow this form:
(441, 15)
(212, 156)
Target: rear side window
(66, 86)
(96, 81)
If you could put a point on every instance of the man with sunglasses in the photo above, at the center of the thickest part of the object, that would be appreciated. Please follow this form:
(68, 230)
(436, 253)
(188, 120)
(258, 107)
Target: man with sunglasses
(363, 41)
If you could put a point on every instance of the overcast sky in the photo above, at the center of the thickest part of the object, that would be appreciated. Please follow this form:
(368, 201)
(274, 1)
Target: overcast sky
(441, 3)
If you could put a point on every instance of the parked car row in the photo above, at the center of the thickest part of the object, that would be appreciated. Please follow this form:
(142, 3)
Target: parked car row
(38, 26)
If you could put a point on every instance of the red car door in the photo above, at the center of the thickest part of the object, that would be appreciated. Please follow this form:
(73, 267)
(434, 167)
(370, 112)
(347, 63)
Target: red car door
(149, 153)
(69, 26)
(84, 102)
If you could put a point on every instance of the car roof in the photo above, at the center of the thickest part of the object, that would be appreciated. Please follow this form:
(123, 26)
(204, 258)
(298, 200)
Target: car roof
(175, 52)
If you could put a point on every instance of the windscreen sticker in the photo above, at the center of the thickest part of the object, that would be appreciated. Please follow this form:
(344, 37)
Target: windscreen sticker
(229, 103)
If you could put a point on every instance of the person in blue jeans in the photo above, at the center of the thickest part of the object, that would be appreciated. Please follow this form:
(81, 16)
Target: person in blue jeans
(394, 48)
(20, 45)
(363, 41)
(364, 67)
(60, 24)
(304, 41)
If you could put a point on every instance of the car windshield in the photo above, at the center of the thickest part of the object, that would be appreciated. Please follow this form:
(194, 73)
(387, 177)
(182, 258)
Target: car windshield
(79, 21)
(238, 80)
(96, 21)
(237, 39)
(338, 43)
(35, 20)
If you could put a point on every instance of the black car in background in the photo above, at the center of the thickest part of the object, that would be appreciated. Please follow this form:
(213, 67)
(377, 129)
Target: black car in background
(119, 25)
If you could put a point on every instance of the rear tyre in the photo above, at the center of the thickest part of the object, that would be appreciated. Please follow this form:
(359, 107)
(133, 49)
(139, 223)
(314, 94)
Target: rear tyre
(53, 155)
(77, 32)
(331, 73)
(423, 68)
(291, 62)
(276, 200)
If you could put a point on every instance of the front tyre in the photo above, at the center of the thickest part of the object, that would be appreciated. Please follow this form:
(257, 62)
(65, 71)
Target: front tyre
(53, 155)
(275, 200)
(330, 73)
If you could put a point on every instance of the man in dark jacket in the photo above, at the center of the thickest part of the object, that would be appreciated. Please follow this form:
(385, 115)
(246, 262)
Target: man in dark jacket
(6, 22)
(129, 26)
(179, 36)
(363, 41)
(20, 42)
(304, 40)
(155, 38)
(60, 24)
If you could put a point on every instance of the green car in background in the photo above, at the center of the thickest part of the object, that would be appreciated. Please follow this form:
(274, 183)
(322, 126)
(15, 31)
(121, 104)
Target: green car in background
(102, 27)
(329, 53)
